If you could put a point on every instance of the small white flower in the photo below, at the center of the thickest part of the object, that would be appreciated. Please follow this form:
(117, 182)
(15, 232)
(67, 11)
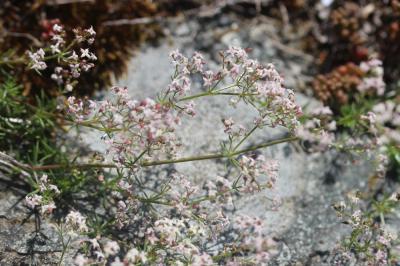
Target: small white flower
(395, 197)
(91, 31)
(326, 2)
(111, 248)
(95, 244)
(73, 57)
(41, 53)
(69, 87)
(54, 188)
(99, 255)
(55, 49)
(80, 260)
(57, 28)
(39, 66)
(132, 254)
(198, 62)
(117, 262)
(44, 178)
(48, 208)
(76, 221)
(33, 200)
(85, 53)
(93, 57)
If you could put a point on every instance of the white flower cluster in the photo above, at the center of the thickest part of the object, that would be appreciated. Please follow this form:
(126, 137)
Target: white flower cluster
(76, 222)
(37, 60)
(69, 64)
(387, 116)
(374, 77)
(319, 131)
(251, 169)
(137, 125)
(43, 196)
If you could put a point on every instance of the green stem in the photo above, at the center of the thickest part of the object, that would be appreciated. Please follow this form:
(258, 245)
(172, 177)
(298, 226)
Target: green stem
(210, 93)
(65, 246)
(23, 59)
(215, 94)
(245, 137)
(13, 62)
(382, 217)
(162, 162)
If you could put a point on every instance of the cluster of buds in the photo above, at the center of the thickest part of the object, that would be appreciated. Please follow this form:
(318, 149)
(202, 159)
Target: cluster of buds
(344, 82)
(43, 196)
(337, 86)
(347, 21)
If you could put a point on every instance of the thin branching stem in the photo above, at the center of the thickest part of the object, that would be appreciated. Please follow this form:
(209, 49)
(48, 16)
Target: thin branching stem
(163, 162)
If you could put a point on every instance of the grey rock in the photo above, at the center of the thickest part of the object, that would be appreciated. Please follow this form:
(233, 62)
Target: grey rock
(21, 240)
(231, 39)
(182, 30)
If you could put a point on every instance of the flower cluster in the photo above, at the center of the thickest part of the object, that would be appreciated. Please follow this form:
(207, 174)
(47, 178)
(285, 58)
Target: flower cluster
(186, 228)
(171, 219)
(251, 169)
(319, 130)
(251, 82)
(37, 60)
(43, 196)
(387, 117)
(139, 129)
(70, 63)
(76, 222)
(136, 128)
(373, 80)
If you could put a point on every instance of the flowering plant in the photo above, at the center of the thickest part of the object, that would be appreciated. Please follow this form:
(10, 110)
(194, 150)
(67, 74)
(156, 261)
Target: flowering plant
(155, 219)
(170, 219)
(370, 241)
(69, 63)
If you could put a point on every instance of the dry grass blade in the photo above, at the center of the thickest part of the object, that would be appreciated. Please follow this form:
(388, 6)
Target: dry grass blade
(8, 164)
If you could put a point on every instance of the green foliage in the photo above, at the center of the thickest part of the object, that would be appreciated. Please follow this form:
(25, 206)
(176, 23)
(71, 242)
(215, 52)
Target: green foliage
(349, 119)
(369, 233)
(350, 113)
(26, 130)
(393, 152)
